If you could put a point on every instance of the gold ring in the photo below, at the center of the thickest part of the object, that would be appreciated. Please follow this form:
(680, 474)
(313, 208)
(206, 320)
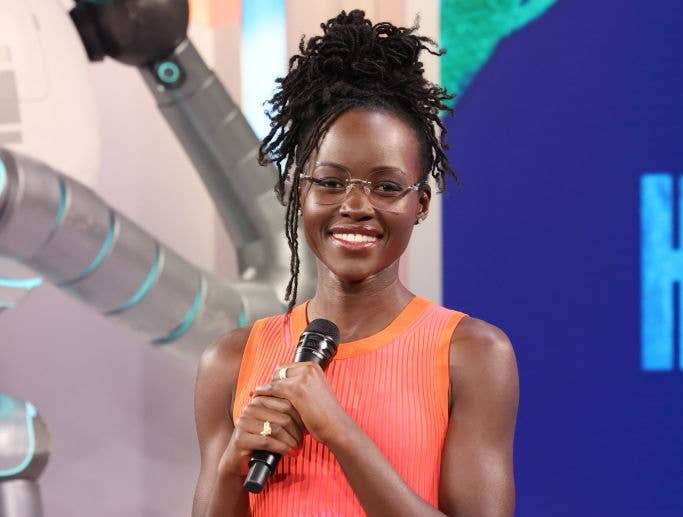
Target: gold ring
(282, 373)
(266, 431)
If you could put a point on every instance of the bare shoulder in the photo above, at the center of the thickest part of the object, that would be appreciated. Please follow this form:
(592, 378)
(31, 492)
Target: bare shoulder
(217, 374)
(480, 337)
(482, 354)
(225, 349)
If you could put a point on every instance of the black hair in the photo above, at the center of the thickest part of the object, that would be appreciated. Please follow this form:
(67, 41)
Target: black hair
(354, 64)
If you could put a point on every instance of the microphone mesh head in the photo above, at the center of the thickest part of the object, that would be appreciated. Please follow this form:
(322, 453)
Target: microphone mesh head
(324, 327)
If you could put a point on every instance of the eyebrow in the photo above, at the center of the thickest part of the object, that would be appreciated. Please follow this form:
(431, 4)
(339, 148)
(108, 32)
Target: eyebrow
(345, 169)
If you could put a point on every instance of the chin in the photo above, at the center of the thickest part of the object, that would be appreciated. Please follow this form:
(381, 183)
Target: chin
(354, 267)
(352, 278)
(355, 275)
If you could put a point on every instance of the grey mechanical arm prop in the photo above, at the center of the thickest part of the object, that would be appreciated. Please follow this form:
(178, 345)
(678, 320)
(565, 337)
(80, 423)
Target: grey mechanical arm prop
(25, 450)
(67, 233)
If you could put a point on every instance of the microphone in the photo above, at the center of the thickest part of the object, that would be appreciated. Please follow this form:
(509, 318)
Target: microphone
(318, 343)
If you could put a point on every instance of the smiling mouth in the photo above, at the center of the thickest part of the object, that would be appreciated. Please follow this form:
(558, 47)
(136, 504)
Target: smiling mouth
(354, 237)
(354, 240)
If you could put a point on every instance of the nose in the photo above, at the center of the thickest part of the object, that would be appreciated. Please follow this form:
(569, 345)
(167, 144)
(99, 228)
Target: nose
(356, 203)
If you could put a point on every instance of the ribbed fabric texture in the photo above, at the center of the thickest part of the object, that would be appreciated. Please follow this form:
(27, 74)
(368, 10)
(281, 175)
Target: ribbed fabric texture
(394, 384)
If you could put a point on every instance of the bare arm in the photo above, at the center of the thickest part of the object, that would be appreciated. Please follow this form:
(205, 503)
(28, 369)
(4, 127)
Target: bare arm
(214, 388)
(225, 446)
(477, 478)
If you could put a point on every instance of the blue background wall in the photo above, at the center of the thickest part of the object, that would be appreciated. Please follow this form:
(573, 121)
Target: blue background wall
(551, 140)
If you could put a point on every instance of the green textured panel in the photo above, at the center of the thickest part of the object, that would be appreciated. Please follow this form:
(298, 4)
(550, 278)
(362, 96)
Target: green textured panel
(471, 31)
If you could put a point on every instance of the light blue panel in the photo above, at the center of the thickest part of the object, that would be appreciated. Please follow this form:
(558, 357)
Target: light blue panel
(679, 270)
(263, 58)
(661, 266)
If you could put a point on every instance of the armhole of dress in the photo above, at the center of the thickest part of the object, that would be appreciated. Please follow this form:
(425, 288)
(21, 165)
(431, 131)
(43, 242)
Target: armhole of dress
(444, 354)
(248, 356)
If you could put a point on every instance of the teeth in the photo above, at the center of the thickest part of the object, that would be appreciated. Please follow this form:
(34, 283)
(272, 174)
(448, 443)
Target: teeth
(355, 237)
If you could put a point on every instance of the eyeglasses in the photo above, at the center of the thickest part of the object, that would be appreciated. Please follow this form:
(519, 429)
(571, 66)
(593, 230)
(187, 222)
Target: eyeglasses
(385, 189)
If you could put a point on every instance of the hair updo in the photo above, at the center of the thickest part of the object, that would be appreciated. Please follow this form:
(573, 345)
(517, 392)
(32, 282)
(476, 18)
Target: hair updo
(354, 64)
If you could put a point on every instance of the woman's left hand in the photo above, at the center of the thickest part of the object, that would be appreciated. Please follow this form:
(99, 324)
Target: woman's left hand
(308, 390)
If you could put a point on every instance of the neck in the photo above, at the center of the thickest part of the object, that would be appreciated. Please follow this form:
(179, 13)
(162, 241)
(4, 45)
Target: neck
(359, 309)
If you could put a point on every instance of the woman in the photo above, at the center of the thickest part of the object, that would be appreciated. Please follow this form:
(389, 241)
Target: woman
(415, 415)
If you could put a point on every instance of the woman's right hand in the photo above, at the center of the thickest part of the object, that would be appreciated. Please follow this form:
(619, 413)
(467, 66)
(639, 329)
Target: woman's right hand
(286, 436)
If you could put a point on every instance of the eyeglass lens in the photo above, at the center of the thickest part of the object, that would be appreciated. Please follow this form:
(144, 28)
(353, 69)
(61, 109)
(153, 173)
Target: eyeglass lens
(385, 189)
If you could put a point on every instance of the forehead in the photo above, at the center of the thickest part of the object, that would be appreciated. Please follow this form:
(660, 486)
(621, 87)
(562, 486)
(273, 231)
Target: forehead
(362, 140)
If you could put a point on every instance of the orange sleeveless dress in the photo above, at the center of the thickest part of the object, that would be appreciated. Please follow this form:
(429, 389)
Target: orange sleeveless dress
(394, 385)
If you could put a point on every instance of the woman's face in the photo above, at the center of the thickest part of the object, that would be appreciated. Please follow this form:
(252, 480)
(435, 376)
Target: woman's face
(353, 239)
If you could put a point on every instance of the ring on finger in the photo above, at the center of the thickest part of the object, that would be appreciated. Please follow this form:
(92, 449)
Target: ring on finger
(282, 373)
(266, 431)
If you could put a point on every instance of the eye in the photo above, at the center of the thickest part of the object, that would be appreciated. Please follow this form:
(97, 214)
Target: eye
(387, 188)
(331, 183)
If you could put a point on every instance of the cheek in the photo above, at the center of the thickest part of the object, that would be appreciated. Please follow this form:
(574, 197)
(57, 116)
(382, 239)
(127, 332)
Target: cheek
(402, 230)
(313, 223)
(310, 240)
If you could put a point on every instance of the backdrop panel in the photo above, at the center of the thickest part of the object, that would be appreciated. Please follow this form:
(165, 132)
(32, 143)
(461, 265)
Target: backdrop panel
(558, 140)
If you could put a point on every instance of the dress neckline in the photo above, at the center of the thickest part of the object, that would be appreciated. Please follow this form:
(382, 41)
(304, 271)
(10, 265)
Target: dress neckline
(367, 344)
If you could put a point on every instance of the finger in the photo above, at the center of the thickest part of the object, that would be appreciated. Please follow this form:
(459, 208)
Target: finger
(279, 389)
(291, 370)
(281, 405)
(250, 442)
(276, 418)
(278, 433)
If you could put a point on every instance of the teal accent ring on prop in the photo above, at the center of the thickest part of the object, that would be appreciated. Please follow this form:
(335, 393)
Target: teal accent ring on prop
(101, 254)
(31, 413)
(146, 286)
(3, 176)
(168, 72)
(243, 320)
(188, 320)
(61, 209)
(21, 283)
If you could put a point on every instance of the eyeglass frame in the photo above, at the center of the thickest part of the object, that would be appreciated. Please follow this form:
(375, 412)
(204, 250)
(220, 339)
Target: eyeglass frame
(366, 186)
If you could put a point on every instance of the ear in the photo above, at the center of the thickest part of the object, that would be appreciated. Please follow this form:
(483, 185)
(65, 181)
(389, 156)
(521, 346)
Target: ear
(423, 203)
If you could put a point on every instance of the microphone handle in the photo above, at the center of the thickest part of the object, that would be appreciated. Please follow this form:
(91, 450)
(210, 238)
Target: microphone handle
(263, 463)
